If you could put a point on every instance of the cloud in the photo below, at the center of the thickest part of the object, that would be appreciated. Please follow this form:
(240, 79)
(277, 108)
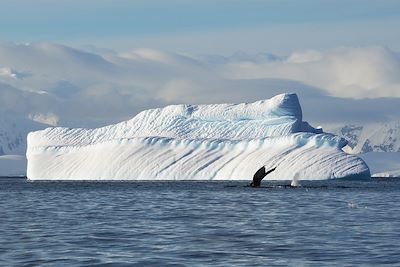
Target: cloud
(49, 119)
(368, 72)
(73, 87)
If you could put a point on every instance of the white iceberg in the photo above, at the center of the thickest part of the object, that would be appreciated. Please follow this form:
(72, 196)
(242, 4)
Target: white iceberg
(388, 174)
(382, 164)
(195, 142)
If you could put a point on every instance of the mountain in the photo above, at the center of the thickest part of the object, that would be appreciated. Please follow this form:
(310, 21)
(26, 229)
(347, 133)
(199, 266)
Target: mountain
(13, 133)
(376, 137)
(377, 144)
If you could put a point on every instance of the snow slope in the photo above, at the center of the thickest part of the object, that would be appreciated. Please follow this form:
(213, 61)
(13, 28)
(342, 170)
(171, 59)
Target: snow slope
(13, 132)
(376, 137)
(376, 143)
(224, 141)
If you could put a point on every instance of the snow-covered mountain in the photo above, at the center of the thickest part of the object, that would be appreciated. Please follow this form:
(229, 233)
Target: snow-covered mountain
(197, 142)
(378, 137)
(13, 133)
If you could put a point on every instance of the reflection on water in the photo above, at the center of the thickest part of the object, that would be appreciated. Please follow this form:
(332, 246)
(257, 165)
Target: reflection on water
(199, 223)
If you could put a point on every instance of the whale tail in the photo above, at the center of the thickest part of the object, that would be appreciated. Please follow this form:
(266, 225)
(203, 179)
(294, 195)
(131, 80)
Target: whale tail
(259, 175)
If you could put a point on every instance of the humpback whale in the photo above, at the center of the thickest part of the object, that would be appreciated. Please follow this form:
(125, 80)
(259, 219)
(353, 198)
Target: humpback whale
(259, 175)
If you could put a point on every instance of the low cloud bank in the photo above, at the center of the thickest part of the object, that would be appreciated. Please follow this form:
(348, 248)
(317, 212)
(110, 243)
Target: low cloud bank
(368, 72)
(61, 85)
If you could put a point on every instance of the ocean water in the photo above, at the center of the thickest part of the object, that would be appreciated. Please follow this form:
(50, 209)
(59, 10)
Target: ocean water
(199, 223)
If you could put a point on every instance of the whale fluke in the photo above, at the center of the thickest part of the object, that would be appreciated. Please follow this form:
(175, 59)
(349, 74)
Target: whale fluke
(259, 175)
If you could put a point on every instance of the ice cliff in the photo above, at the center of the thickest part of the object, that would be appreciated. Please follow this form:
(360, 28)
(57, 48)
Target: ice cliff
(202, 142)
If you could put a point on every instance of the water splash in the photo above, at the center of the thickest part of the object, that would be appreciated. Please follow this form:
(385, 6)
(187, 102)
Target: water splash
(295, 181)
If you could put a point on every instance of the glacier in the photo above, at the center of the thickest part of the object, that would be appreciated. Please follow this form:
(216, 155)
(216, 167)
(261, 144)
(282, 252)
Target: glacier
(196, 142)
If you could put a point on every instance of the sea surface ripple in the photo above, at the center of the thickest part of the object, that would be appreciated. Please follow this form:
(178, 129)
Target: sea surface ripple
(170, 223)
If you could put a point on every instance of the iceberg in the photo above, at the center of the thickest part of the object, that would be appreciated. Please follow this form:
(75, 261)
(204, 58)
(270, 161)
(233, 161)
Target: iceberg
(382, 164)
(196, 142)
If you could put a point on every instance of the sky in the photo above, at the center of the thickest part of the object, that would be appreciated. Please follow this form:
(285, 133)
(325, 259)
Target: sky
(207, 26)
(94, 62)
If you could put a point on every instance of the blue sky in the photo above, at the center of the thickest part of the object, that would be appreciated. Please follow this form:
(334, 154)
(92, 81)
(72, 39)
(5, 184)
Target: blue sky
(203, 26)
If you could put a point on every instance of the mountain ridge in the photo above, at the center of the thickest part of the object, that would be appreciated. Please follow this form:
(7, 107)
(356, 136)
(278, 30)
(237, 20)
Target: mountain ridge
(373, 137)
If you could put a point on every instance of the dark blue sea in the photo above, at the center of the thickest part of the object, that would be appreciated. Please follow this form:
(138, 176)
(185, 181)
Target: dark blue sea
(331, 223)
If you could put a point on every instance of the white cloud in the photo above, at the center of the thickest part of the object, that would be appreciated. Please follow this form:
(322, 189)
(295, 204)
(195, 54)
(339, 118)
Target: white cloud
(305, 56)
(367, 72)
(50, 118)
(8, 73)
(73, 87)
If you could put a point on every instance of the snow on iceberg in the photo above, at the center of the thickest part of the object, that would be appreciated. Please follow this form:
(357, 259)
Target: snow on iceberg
(195, 142)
